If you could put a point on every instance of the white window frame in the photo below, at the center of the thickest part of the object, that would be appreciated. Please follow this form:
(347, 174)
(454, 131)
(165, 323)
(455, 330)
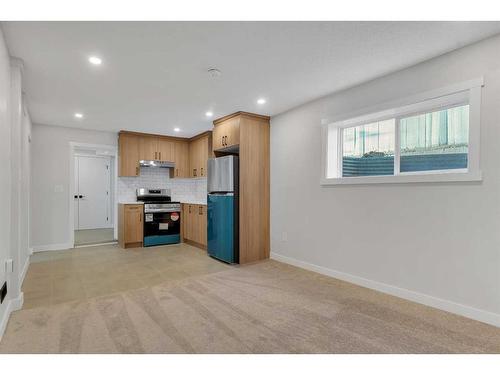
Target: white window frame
(460, 94)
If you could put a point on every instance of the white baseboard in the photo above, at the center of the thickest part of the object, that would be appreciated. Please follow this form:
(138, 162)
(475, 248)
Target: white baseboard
(12, 305)
(453, 307)
(97, 244)
(30, 250)
(57, 246)
(24, 271)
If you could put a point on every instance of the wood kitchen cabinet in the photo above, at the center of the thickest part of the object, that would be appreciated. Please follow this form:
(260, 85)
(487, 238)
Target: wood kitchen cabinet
(247, 135)
(165, 149)
(148, 147)
(226, 133)
(134, 147)
(130, 225)
(181, 160)
(200, 149)
(155, 148)
(194, 224)
(128, 152)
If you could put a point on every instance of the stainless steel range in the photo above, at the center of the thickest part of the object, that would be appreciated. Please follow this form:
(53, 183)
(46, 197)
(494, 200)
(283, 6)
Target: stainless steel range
(162, 217)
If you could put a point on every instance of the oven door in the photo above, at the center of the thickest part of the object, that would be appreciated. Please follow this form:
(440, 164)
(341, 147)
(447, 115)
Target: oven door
(162, 228)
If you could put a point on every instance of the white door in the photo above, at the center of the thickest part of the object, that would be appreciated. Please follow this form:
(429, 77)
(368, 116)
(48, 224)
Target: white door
(92, 189)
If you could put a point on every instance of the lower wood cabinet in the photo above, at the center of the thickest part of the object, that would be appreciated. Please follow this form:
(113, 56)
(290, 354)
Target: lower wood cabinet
(194, 224)
(130, 225)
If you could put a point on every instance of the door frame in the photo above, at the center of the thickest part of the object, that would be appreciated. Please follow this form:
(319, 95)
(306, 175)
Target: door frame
(106, 150)
(109, 199)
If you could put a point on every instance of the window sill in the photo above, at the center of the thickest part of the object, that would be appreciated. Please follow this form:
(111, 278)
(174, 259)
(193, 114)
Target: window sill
(405, 178)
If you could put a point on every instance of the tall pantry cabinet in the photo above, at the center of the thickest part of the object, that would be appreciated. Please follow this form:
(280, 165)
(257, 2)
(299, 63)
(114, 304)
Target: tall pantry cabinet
(247, 135)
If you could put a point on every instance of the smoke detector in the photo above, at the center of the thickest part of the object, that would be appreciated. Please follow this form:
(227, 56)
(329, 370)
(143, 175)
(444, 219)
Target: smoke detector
(214, 73)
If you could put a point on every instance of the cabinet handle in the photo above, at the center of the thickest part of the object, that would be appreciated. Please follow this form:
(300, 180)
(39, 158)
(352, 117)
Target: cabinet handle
(177, 172)
(160, 155)
(189, 208)
(137, 171)
(223, 140)
(200, 211)
(194, 172)
(201, 173)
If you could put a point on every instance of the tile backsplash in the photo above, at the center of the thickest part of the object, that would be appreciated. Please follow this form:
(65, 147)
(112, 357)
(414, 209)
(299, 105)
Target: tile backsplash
(187, 190)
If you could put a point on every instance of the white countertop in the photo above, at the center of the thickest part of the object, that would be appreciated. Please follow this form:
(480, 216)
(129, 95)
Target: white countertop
(184, 202)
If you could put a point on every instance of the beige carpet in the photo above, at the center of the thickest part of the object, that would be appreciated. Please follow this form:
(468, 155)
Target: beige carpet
(267, 307)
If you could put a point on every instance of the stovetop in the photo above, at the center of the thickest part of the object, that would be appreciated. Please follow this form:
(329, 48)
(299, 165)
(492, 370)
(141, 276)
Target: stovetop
(160, 202)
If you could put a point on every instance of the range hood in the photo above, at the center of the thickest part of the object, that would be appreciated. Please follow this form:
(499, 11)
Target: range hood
(156, 164)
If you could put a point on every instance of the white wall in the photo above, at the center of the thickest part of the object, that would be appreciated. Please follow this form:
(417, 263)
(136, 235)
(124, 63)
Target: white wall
(16, 119)
(435, 243)
(5, 176)
(25, 191)
(50, 161)
(14, 181)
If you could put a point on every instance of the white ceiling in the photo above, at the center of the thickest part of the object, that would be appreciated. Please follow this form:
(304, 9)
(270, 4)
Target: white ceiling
(154, 74)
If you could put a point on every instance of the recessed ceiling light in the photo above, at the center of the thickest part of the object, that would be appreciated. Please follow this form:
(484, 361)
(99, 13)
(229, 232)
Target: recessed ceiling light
(177, 129)
(95, 60)
(261, 101)
(78, 115)
(209, 114)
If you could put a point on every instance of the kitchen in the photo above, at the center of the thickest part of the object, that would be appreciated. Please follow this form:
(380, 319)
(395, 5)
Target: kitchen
(163, 185)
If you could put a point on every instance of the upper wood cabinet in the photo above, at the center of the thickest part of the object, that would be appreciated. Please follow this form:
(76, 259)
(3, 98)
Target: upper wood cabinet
(226, 132)
(165, 149)
(155, 148)
(128, 150)
(148, 147)
(181, 160)
(189, 155)
(200, 149)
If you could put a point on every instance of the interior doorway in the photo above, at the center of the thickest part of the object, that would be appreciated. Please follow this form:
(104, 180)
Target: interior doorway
(93, 216)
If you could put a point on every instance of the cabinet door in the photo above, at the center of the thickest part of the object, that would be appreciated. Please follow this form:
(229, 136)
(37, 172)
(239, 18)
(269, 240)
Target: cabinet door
(202, 224)
(203, 155)
(181, 159)
(148, 148)
(194, 158)
(196, 223)
(190, 228)
(129, 155)
(218, 137)
(133, 223)
(165, 149)
(184, 221)
(226, 133)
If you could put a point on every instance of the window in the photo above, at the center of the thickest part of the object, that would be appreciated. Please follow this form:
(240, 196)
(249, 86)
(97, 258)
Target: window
(436, 140)
(428, 140)
(368, 150)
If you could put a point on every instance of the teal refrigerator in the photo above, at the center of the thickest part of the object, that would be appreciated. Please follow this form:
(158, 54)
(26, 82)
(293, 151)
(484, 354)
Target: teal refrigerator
(223, 213)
